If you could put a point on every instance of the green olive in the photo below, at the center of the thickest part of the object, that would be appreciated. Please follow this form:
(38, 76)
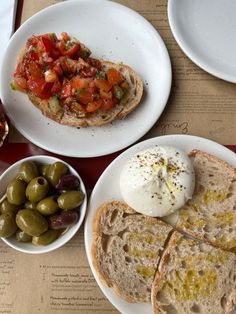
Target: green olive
(37, 189)
(21, 236)
(30, 205)
(46, 238)
(31, 222)
(8, 208)
(44, 170)
(70, 199)
(7, 225)
(55, 171)
(28, 170)
(16, 192)
(48, 205)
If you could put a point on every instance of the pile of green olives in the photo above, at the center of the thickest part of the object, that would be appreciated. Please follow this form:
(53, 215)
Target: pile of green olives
(41, 203)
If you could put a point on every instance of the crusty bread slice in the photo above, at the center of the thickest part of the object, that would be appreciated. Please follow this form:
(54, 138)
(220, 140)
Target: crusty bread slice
(194, 278)
(128, 102)
(126, 249)
(43, 106)
(211, 213)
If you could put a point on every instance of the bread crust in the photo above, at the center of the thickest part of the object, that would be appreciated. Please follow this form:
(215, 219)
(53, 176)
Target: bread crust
(176, 264)
(200, 210)
(159, 276)
(100, 232)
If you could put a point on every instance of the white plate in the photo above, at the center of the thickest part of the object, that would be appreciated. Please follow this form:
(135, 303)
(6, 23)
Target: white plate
(206, 32)
(107, 189)
(113, 32)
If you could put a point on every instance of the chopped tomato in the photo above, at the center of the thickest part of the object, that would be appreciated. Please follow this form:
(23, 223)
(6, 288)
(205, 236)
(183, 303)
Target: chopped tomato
(72, 50)
(56, 87)
(108, 104)
(40, 88)
(66, 90)
(32, 41)
(84, 96)
(103, 84)
(94, 105)
(62, 67)
(20, 82)
(105, 95)
(32, 55)
(88, 71)
(114, 77)
(65, 36)
(33, 70)
(57, 68)
(61, 46)
(19, 69)
(95, 63)
(78, 82)
(47, 43)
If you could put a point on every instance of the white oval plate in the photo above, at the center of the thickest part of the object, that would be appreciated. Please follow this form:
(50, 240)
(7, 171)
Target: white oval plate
(205, 31)
(107, 189)
(113, 32)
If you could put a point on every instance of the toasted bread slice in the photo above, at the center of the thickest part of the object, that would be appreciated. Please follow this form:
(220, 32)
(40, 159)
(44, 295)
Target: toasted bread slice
(126, 249)
(43, 106)
(211, 213)
(194, 277)
(128, 102)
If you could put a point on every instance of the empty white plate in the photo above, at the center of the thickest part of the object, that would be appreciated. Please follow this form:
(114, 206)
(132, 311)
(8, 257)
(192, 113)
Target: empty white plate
(206, 32)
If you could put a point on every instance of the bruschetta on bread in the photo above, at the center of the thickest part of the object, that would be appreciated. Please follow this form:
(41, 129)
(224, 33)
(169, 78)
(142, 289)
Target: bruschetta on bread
(68, 86)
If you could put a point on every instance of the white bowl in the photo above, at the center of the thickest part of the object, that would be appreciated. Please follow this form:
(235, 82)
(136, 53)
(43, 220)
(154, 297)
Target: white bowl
(28, 247)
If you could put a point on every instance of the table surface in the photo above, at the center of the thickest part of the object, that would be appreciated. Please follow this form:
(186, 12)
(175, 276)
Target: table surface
(175, 119)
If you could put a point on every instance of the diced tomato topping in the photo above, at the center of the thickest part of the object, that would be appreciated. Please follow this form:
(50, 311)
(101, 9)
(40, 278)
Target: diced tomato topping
(114, 77)
(56, 87)
(62, 67)
(61, 46)
(19, 69)
(66, 90)
(84, 96)
(72, 50)
(88, 71)
(105, 95)
(32, 55)
(95, 63)
(78, 82)
(33, 70)
(65, 36)
(103, 84)
(94, 105)
(40, 88)
(20, 82)
(57, 68)
(47, 43)
(32, 41)
(108, 104)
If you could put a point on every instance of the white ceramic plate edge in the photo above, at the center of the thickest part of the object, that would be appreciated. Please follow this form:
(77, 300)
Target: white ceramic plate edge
(186, 142)
(190, 53)
(116, 145)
